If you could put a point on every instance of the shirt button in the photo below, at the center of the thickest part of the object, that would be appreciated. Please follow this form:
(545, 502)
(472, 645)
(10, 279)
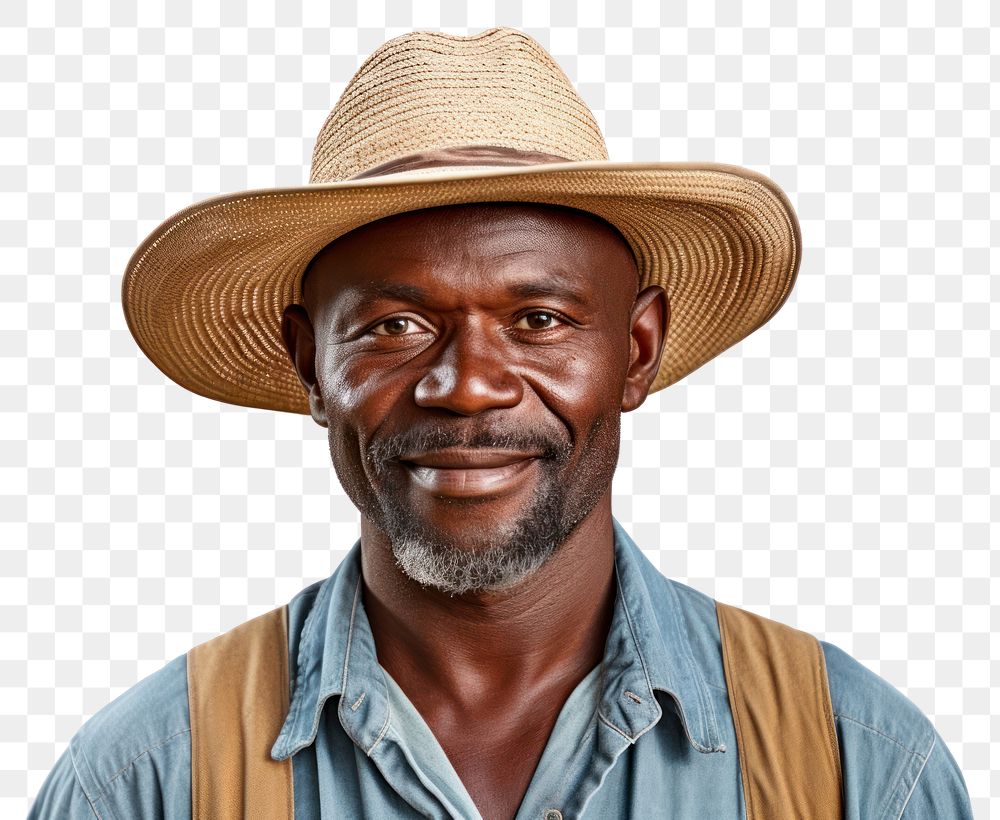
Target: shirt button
(553, 814)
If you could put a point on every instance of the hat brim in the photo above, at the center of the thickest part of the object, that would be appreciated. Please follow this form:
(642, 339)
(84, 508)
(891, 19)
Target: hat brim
(205, 293)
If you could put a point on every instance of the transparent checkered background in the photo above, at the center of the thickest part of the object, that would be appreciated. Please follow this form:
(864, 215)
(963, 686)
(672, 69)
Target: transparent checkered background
(833, 471)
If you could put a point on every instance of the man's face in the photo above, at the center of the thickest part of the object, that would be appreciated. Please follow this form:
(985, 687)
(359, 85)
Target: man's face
(471, 364)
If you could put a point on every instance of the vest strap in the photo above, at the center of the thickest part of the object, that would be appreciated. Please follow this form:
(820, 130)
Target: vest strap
(785, 732)
(238, 691)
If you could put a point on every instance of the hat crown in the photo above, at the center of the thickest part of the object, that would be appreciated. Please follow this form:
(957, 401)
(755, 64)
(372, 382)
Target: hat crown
(426, 91)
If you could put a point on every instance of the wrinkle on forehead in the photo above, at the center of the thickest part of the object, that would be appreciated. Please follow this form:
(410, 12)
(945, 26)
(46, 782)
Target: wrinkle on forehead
(500, 232)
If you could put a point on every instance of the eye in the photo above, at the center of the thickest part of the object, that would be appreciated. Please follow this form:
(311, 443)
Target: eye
(398, 326)
(538, 320)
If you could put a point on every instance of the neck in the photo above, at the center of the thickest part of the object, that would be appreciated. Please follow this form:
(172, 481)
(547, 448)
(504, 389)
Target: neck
(549, 628)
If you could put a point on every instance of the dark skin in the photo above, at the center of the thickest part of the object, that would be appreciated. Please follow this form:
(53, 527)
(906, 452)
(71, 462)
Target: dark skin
(525, 316)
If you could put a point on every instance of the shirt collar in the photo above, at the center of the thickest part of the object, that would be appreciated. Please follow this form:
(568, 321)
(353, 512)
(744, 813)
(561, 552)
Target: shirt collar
(650, 625)
(334, 641)
(647, 650)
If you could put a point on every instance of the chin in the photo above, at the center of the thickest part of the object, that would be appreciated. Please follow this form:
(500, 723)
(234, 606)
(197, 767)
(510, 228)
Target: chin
(454, 570)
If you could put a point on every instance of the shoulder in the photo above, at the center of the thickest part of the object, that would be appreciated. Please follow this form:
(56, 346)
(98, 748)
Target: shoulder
(895, 763)
(131, 756)
(864, 699)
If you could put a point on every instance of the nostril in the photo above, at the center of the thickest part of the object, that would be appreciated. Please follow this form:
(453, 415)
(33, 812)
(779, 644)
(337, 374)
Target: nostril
(468, 391)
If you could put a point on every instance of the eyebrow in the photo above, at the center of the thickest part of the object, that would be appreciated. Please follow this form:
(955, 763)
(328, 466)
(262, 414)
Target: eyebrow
(402, 291)
(534, 290)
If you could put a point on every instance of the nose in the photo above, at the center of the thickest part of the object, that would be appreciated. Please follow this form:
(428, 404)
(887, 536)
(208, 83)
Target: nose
(470, 375)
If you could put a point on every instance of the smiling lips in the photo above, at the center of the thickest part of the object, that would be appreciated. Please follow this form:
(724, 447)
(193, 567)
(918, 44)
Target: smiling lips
(467, 472)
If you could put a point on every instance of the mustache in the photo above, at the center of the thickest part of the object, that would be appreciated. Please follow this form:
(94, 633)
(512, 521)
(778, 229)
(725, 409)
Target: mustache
(548, 444)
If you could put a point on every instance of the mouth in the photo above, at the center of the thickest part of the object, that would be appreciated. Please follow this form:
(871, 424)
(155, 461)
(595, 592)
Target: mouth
(467, 472)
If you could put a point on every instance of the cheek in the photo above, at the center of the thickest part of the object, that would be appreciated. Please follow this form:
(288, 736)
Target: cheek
(583, 382)
(355, 410)
(341, 390)
(359, 397)
(353, 385)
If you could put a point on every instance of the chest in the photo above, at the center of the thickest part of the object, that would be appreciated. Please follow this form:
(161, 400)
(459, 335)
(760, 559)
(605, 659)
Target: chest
(497, 761)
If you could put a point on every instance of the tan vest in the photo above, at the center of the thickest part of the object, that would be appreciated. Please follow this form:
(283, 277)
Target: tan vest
(238, 692)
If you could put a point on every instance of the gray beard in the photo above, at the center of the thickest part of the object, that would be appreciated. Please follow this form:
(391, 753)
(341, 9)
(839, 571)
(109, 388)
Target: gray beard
(489, 560)
(499, 559)
(511, 550)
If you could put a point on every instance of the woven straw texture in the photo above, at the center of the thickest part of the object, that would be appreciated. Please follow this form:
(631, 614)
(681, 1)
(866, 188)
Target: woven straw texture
(437, 90)
(205, 293)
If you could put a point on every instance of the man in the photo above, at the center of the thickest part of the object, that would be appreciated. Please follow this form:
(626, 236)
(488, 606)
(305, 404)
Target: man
(467, 296)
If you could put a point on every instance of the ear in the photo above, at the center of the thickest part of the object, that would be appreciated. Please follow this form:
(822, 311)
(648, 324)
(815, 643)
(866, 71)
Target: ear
(650, 318)
(300, 342)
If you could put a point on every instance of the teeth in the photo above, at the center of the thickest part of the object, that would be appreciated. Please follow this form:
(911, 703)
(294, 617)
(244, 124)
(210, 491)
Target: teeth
(468, 481)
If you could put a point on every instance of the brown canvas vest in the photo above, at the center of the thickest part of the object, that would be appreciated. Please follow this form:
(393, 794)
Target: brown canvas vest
(238, 692)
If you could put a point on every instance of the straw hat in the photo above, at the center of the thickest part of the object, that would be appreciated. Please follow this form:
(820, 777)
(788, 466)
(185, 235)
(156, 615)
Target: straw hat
(433, 119)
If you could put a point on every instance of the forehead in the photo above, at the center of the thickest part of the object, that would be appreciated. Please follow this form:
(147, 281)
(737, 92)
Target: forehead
(473, 245)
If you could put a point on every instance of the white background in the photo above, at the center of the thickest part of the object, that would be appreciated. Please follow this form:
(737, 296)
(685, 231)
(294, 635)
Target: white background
(833, 471)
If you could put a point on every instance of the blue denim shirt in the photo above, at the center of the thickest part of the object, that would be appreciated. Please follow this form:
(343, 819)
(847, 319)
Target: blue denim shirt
(648, 733)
